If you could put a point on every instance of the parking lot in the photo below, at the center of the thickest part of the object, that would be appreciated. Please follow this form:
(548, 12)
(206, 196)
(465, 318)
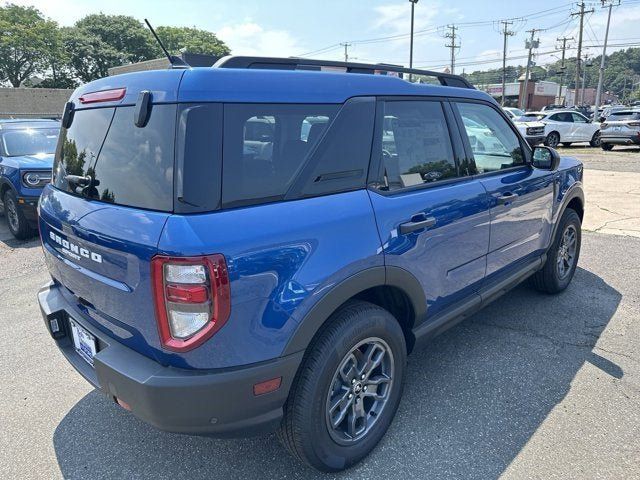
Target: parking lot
(534, 386)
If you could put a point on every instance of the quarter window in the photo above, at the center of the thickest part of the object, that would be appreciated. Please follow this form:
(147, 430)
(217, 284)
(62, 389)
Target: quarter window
(494, 144)
(416, 146)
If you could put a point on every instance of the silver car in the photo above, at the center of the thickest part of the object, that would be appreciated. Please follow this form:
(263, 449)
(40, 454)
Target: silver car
(620, 128)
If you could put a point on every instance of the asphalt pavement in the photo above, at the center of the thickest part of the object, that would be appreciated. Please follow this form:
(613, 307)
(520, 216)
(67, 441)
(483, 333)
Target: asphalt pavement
(534, 386)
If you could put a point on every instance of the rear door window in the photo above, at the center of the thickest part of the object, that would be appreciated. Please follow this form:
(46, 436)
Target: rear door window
(265, 146)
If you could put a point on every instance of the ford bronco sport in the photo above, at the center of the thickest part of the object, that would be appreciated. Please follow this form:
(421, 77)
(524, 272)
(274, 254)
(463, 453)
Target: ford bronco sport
(26, 156)
(259, 245)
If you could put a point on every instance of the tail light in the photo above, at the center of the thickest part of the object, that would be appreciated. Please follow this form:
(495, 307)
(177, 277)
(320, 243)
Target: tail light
(192, 299)
(634, 124)
(103, 96)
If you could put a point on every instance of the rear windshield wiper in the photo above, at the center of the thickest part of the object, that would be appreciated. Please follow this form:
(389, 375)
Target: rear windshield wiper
(79, 180)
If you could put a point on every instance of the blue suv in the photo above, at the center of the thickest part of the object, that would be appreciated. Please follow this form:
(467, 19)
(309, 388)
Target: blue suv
(258, 246)
(26, 157)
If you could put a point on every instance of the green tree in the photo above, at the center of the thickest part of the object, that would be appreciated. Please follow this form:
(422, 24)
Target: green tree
(192, 40)
(98, 42)
(24, 48)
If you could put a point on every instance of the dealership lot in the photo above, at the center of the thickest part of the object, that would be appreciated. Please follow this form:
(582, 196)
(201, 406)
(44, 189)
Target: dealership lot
(533, 383)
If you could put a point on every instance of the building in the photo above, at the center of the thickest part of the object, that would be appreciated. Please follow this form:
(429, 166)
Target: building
(33, 102)
(589, 97)
(539, 94)
(193, 59)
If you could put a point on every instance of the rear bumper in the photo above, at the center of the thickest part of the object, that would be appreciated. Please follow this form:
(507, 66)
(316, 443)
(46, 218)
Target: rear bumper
(620, 139)
(212, 402)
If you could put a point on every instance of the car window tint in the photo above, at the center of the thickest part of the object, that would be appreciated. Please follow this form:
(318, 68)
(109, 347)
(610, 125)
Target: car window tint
(494, 144)
(416, 146)
(578, 118)
(265, 146)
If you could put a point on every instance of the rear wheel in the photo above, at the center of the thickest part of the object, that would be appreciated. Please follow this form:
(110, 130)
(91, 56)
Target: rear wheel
(18, 225)
(552, 140)
(562, 257)
(606, 147)
(595, 140)
(347, 390)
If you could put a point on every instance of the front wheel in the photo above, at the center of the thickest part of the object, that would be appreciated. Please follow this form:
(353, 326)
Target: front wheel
(562, 257)
(595, 140)
(18, 225)
(347, 390)
(552, 140)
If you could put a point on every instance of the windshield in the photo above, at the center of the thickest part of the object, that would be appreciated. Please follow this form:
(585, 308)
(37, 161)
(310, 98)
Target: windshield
(30, 141)
(620, 116)
(530, 117)
(516, 112)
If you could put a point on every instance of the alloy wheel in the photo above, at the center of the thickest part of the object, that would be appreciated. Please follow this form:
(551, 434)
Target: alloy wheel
(359, 391)
(12, 214)
(567, 251)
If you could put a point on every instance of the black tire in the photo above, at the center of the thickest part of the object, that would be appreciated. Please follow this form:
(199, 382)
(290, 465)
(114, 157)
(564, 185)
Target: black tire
(551, 278)
(552, 140)
(606, 147)
(595, 140)
(18, 224)
(305, 430)
(566, 144)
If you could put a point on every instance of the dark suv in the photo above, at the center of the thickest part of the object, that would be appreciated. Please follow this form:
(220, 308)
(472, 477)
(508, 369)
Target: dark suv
(258, 246)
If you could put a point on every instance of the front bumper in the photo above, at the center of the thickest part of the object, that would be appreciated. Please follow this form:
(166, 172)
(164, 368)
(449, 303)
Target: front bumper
(199, 402)
(535, 140)
(29, 207)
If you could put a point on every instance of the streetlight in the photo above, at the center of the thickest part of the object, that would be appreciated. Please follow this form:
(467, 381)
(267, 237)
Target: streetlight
(413, 4)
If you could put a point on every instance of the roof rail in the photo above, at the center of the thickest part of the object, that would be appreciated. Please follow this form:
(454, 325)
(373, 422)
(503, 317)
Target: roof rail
(294, 63)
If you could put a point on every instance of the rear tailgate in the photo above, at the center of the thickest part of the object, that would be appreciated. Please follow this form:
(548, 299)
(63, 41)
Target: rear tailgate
(99, 237)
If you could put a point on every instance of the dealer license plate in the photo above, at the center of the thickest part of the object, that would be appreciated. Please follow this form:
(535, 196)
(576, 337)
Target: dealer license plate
(84, 342)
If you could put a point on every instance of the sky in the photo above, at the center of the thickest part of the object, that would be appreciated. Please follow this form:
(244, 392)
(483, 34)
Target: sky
(377, 30)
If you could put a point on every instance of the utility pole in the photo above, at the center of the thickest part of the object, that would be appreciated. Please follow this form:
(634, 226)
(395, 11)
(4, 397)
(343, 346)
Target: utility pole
(602, 60)
(506, 33)
(563, 67)
(452, 46)
(346, 51)
(582, 13)
(531, 44)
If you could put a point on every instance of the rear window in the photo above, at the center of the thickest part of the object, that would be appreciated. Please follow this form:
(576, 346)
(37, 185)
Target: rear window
(265, 146)
(128, 165)
(621, 116)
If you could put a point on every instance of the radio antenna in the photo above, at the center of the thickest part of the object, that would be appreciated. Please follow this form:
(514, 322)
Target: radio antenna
(176, 62)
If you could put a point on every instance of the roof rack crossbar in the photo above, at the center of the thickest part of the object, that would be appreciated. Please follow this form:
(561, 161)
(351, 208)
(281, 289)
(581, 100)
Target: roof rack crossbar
(295, 63)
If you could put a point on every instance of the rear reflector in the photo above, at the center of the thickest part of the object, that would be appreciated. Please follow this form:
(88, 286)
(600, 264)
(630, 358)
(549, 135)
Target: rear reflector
(267, 387)
(103, 96)
(192, 299)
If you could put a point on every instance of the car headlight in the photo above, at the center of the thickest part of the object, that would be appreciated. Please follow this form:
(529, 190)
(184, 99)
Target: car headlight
(35, 179)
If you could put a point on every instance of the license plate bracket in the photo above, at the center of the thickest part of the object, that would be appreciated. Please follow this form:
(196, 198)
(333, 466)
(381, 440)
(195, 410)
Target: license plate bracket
(84, 342)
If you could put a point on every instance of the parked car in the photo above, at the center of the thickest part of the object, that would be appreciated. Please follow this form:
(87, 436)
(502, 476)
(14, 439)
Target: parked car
(621, 128)
(611, 109)
(553, 106)
(566, 127)
(532, 131)
(26, 157)
(209, 298)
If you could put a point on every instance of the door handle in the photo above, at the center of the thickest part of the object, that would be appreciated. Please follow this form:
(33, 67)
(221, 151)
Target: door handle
(507, 198)
(412, 226)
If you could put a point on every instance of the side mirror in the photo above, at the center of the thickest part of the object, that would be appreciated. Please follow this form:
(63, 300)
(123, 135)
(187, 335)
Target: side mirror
(602, 119)
(545, 158)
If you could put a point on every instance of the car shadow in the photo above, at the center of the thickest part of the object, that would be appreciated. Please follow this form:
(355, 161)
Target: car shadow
(474, 396)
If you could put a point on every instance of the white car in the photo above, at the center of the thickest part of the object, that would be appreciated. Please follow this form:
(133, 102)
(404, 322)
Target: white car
(532, 131)
(566, 127)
